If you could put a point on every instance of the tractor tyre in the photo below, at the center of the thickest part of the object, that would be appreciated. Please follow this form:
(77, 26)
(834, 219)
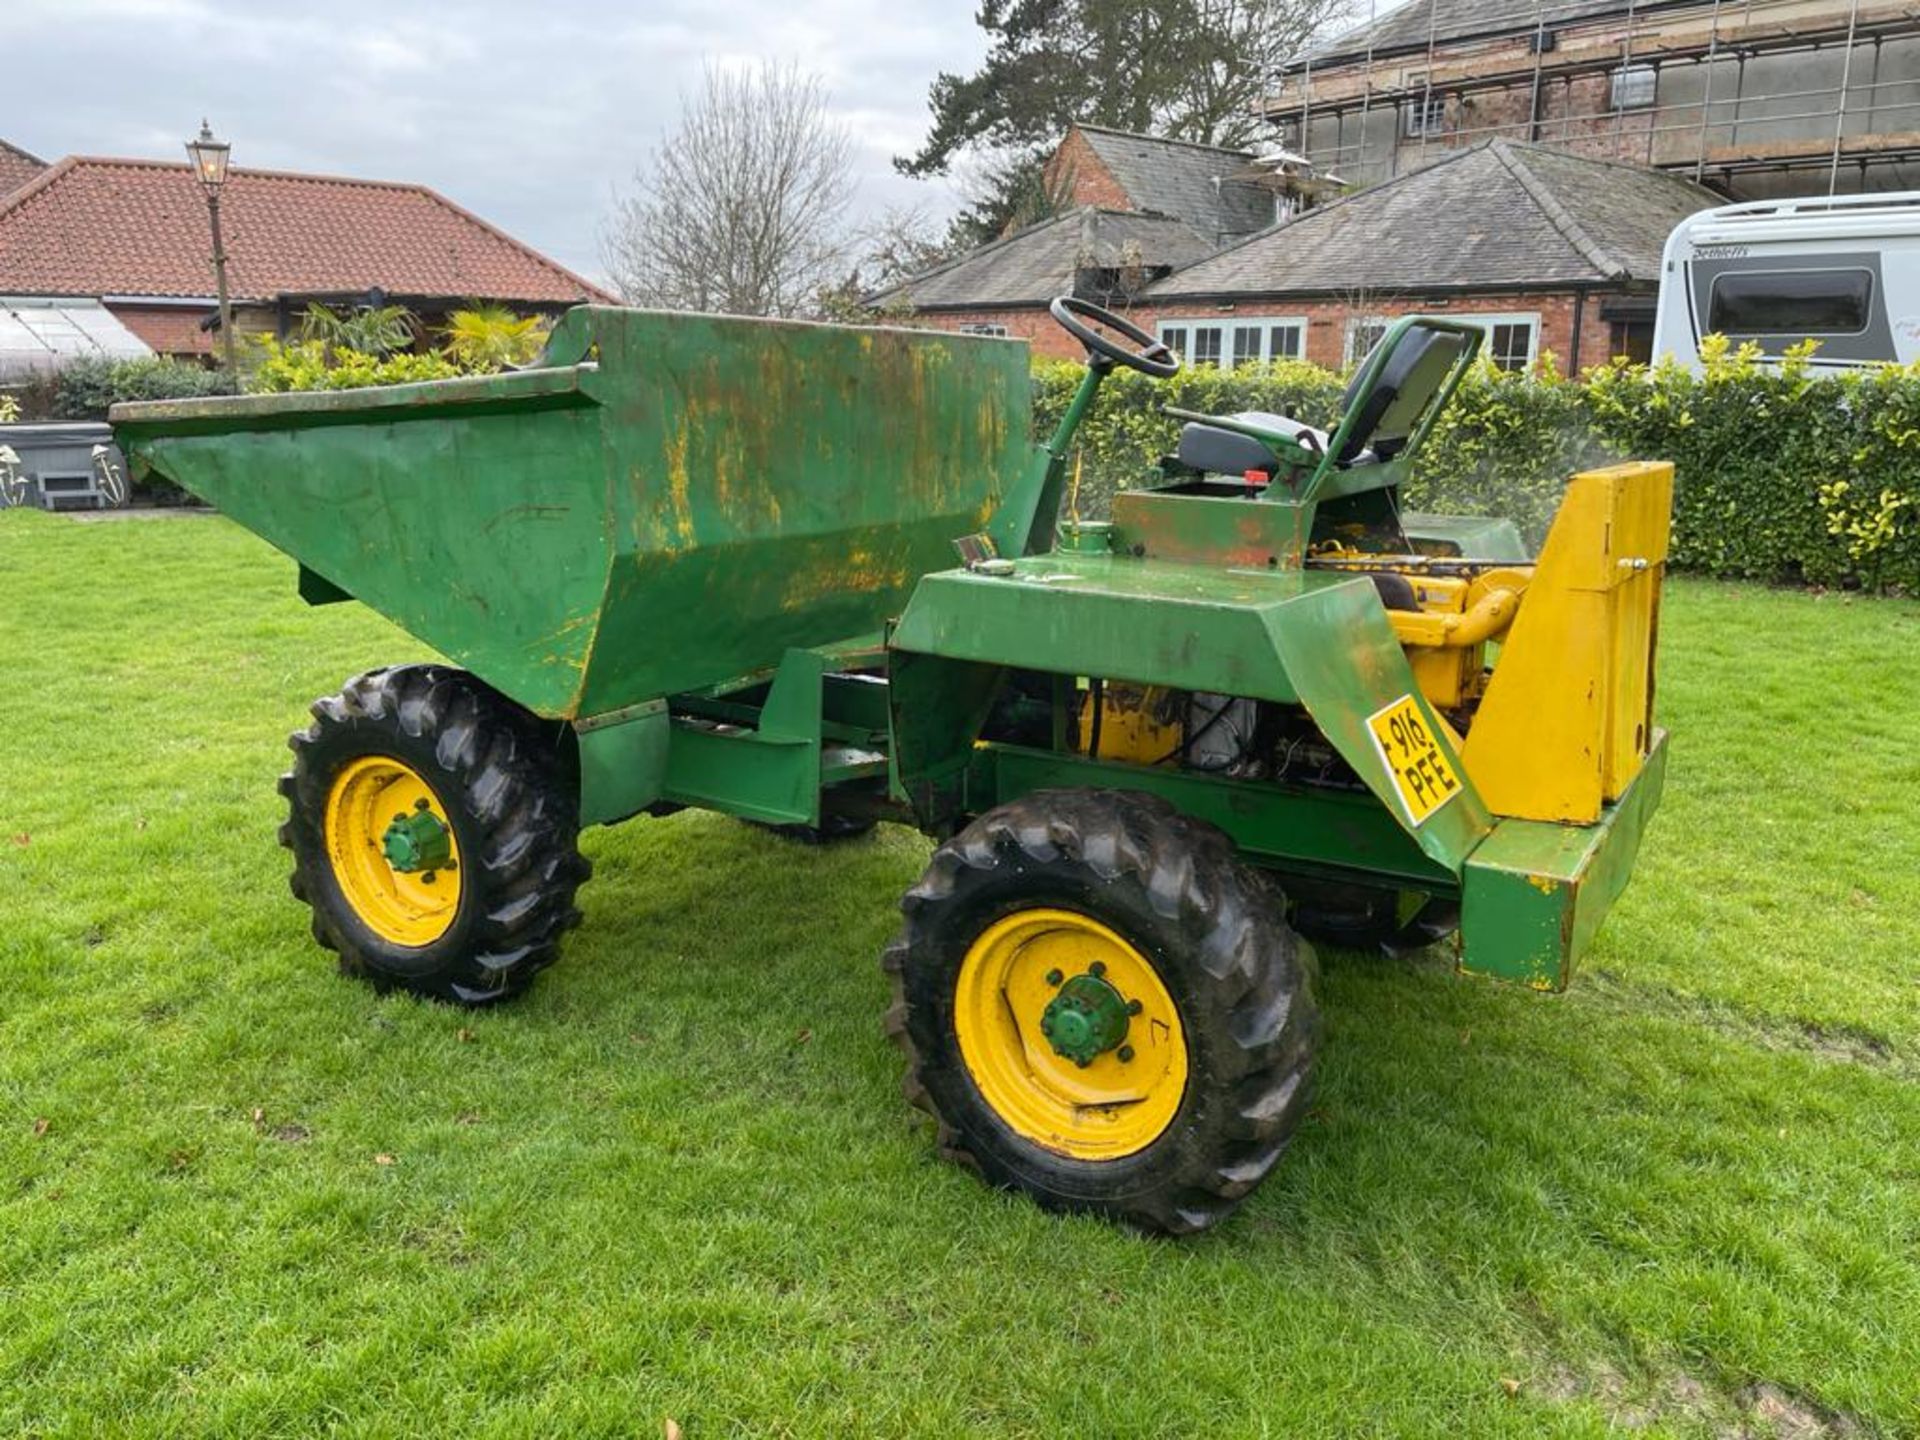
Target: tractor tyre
(1032, 932)
(434, 828)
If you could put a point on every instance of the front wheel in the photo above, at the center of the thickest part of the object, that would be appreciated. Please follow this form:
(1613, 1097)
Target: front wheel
(433, 829)
(1103, 1008)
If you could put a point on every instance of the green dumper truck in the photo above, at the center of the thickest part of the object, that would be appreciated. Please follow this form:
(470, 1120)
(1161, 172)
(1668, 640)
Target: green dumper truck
(816, 577)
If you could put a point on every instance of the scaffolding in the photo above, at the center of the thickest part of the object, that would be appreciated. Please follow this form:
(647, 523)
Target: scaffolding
(1573, 67)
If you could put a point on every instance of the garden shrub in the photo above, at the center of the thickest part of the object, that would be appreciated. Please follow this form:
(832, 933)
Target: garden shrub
(1505, 446)
(1782, 473)
(283, 365)
(349, 350)
(1743, 505)
(85, 387)
(481, 339)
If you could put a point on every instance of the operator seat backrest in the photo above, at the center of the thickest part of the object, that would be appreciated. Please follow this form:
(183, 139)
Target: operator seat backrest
(1406, 385)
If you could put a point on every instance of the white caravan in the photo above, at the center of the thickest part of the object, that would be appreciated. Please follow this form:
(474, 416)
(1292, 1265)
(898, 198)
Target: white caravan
(1840, 269)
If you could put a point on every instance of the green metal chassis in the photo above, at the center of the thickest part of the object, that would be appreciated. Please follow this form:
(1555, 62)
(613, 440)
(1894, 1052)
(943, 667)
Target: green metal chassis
(1531, 895)
(1189, 591)
(645, 620)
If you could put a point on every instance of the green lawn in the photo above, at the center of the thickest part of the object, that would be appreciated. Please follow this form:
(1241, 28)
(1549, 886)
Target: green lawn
(240, 1195)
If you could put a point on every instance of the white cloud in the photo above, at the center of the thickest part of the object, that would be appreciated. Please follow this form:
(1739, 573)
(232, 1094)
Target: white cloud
(528, 114)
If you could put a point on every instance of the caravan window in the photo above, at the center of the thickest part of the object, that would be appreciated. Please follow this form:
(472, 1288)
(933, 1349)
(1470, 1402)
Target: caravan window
(1791, 302)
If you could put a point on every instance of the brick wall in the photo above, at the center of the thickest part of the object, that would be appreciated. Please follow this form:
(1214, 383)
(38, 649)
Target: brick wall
(1086, 176)
(1034, 326)
(1578, 114)
(174, 330)
(1327, 322)
(1765, 105)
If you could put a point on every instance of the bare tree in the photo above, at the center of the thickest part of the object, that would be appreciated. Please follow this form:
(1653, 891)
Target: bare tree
(1229, 54)
(901, 242)
(742, 209)
(886, 250)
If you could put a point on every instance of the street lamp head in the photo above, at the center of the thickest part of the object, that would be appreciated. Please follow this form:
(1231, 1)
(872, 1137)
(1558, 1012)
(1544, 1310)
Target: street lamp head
(209, 157)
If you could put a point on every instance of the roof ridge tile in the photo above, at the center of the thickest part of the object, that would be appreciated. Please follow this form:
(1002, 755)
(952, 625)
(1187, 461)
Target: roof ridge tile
(1239, 150)
(1561, 218)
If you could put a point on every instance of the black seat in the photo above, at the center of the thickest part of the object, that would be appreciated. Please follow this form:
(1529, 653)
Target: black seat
(1224, 452)
(1392, 406)
(1384, 402)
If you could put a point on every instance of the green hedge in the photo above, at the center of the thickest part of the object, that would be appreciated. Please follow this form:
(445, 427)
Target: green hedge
(84, 388)
(1782, 474)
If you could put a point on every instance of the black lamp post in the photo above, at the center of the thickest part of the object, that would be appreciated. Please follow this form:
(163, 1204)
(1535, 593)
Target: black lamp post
(209, 157)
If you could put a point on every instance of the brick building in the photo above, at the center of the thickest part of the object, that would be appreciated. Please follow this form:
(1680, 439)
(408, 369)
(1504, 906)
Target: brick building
(1544, 249)
(1138, 207)
(1002, 288)
(1547, 249)
(1221, 195)
(1757, 99)
(112, 256)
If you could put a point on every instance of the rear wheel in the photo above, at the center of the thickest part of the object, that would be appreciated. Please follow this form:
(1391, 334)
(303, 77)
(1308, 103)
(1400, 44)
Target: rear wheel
(433, 827)
(1102, 1007)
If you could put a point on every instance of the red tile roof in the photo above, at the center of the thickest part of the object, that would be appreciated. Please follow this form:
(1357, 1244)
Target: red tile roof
(89, 226)
(17, 167)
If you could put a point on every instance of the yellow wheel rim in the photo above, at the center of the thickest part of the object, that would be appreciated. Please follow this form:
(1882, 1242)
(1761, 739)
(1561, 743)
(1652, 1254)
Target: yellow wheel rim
(405, 907)
(1115, 1105)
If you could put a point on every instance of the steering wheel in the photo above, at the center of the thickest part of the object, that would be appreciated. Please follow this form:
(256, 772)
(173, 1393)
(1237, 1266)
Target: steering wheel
(1152, 358)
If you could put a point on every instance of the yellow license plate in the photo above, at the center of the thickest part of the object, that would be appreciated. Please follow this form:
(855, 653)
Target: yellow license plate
(1422, 774)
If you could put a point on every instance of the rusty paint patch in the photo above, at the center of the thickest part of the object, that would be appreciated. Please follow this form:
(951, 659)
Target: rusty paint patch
(677, 485)
(859, 571)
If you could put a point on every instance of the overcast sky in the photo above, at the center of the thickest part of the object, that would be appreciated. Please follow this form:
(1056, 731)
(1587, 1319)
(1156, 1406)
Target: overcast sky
(529, 112)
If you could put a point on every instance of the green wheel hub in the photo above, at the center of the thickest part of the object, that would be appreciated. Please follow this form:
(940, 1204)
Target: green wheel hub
(1086, 1019)
(417, 841)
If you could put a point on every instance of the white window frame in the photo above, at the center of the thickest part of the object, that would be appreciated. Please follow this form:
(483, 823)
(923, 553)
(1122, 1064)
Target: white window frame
(1227, 324)
(1364, 322)
(1425, 114)
(1485, 322)
(984, 327)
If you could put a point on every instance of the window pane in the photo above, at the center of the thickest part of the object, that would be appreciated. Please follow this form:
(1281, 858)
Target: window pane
(1791, 302)
(1426, 116)
(1174, 337)
(1364, 337)
(1206, 345)
(1508, 345)
(1283, 342)
(1246, 343)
